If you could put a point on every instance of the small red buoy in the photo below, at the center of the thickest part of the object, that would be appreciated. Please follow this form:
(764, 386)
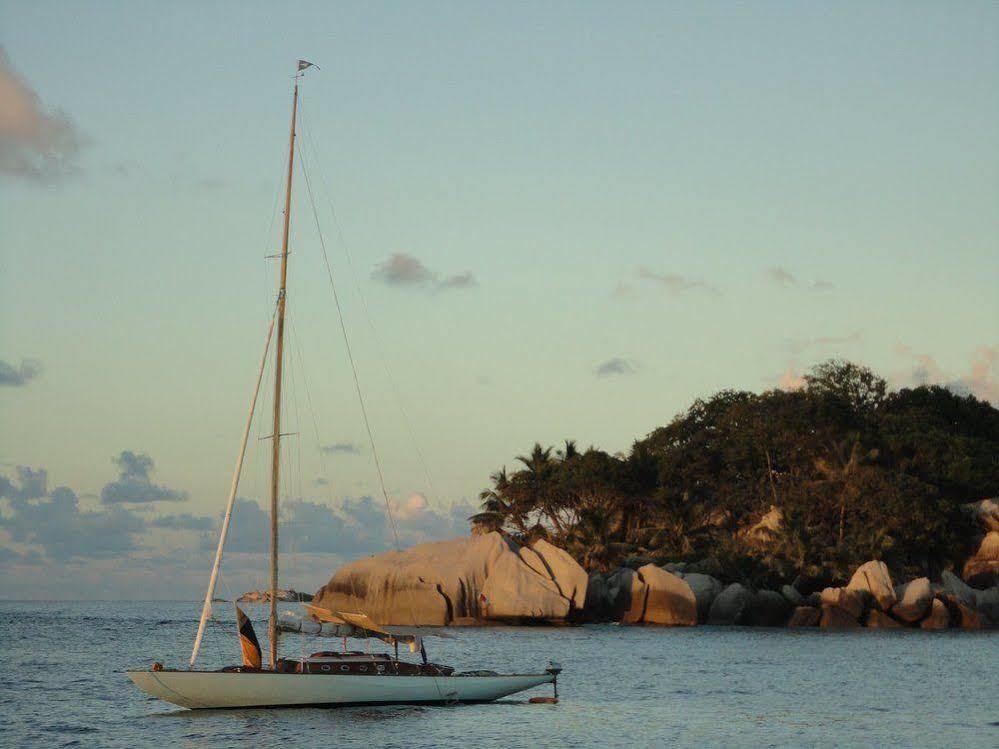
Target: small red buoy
(544, 700)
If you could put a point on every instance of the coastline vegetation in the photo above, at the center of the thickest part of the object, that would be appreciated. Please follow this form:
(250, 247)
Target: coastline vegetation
(766, 488)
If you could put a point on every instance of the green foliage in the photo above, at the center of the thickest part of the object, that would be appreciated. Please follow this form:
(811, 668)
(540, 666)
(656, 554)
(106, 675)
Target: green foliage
(856, 472)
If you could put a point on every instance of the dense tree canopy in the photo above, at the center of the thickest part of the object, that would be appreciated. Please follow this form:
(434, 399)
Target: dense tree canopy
(851, 470)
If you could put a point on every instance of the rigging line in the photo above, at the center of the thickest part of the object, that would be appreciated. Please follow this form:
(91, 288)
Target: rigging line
(357, 385)
(367, 313)
(350, 355)
(312, 411)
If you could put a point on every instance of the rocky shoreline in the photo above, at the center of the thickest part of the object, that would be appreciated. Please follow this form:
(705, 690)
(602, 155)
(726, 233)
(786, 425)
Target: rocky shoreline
(491, 579)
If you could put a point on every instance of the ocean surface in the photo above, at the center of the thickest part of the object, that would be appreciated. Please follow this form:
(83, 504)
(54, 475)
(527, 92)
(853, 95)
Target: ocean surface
(61, 686)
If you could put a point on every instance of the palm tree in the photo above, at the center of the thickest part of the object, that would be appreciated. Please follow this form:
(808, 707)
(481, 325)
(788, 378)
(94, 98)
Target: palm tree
(679, 526)
(498, 508)
(588, 539)
(535, 487)
(842, 467)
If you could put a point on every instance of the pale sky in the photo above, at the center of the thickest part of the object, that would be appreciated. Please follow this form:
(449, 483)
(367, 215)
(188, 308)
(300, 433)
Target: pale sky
(568, 220)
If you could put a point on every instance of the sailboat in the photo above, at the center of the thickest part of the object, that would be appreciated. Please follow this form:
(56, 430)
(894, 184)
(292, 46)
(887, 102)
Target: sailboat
(326, 678)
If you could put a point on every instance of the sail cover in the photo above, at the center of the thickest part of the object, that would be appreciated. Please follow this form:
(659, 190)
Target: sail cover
(248, 640)
(360, 625)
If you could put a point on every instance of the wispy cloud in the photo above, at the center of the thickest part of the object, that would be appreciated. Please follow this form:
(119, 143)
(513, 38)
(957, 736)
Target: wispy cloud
(783, 277)
(616, 366)
(675, 284)
(460, 281)
(11, 376)
(134, 485)
(402, 269)
(623, 290)
(35, 144)
(342, 448)
(799, 345)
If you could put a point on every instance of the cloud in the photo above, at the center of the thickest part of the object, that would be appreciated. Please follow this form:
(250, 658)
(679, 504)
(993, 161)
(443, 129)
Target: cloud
(676, 284)
(798, 345)
(781, 276)
(402, 269)
(12, 376)
(35, 144)
(342, 448)
(31, 484)
(791, 380)
(55, 522)
(460, 281)
(623, 291)
(185, 521)
(616, 366)
(981, 379)
(134, 485)
(357, 527)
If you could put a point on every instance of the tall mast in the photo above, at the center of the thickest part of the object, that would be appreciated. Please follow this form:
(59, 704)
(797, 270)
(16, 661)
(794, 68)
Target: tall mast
(278, 366)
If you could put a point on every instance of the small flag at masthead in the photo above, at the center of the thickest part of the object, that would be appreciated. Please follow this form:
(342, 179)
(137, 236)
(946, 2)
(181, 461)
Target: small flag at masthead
(303, 64)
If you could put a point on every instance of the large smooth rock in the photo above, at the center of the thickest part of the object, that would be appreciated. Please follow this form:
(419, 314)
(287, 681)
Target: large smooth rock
(513, 590)
(956, 587)
(938, 618)
(767, 608)
(669, 600)
(805, 616)
(849, 601)
(596, 605)
(915, 599)
(619, 585)
(834, 617)
(570, 578)
(706, 589)
(729, 605)
(792, 595)
(637, 598)
(988, 606)
(880, 620)
(440, 582)
(873, 578)
(982, 569)
(963, 616)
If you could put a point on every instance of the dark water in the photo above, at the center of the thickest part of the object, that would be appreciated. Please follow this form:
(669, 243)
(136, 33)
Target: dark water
(61, 686)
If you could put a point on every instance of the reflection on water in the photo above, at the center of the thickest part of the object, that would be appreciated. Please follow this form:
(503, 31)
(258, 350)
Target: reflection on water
(61, 685)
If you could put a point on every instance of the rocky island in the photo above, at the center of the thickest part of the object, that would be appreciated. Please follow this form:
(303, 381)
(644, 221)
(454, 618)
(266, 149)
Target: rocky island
(264, 596)
(794, 507)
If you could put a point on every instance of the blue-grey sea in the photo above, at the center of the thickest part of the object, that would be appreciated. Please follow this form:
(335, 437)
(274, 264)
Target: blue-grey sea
(61, 686)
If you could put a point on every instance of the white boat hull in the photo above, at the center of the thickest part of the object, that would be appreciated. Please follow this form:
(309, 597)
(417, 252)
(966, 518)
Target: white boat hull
(219, 689)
